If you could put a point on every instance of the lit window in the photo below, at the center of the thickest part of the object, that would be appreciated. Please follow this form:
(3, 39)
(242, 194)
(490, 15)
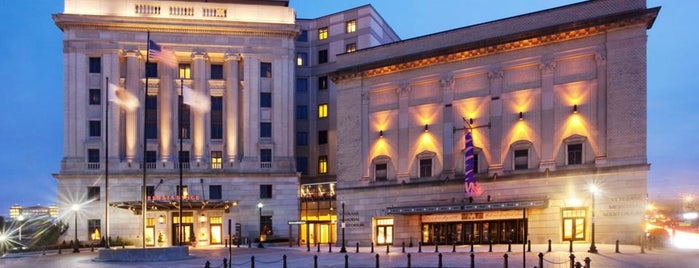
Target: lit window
(322, 164)
(351, 47)
(216, 159)
(184, 192)
(573, 224)
(301, 59)
(575, 153)
(351, 26)
(521, 159)
(322, 110)
(93, 228)
(185, 71)
(323, 33)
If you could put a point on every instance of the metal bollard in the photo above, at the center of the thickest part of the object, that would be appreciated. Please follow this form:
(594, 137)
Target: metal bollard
(616, 248)
(346, 261)
(249, 244)
(587, 262)
(284, 261)
(436, 247)
(408, 261)
(453, 247)
(541, 259)
(578, 265)
(490, 247)
(318, 247)
(403, 247)
(505, 256)
(387, 249)
(252, 261)
(225, 262)
(377, 261)
(92, 248)
(330, 247)
(471, 245)
(357, 247)
(59, 250)
(419, 247)
(572, 260)
(473, 260)
(570, 247)
(549, 250)
(315, 261)
(207, 264)
(439, 264)
(509, 246)
(529, 246)
(372, 247)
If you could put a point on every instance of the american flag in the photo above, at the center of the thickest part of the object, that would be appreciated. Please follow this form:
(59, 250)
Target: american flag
(471, 187)
(162, 54)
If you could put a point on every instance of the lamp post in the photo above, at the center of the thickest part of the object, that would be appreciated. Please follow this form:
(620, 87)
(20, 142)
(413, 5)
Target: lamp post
(593, 189)
(20, 218)
(259, 206)
(76, 246)
(343, 249)
(3, 238)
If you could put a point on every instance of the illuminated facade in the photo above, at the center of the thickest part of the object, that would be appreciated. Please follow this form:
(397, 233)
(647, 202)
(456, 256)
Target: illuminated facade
(235, 155)
(556, 102)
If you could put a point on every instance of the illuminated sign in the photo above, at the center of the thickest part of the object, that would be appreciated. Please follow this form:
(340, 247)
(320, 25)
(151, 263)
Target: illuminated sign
(171, 197)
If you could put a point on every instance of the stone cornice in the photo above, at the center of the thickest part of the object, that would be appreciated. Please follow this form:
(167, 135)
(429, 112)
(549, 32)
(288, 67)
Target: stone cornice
(486, 47)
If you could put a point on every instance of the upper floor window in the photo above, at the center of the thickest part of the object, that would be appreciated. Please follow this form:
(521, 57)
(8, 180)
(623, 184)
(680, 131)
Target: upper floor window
(265, 155)
(322, 56)
(425, 168)
(303, 36)
(301, 138)
(302, 165)
(184, 191)
(185, 120)
(95, 65)
(322, 82)
(216, 117)
(266, 130)
(95, 96)
(215, 192)
(150, 190)
(185, 71)
(93, 155)
(323, 164)
(151, 117)
(301, 85)
(575, 153)
(151, 157)
(216, 71)
(301, 59)
(322, 110)
(216, 159)
(151, 69)
(323, 33)
(266, 69)
(352, 47)
(93, 193)
(322, 137)
(265, 191)
(381, 172)
(521, 159)
(351, 26)
(95, 128)
(301, 112)
(266, 100)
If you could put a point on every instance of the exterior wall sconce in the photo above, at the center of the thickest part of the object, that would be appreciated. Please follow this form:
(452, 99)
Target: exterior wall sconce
(575, 108)
(202, 218)
(381, 133)
(521, 116)
(161, 219)
(427, 128)
(470, 121)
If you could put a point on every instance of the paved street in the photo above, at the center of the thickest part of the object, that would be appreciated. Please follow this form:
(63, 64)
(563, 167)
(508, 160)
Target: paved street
(630, 256)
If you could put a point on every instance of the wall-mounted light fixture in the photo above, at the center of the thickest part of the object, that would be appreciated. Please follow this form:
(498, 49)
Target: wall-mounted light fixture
(202, 218)
(161, 219)
(427, 127)
(521, 116)
(575, 108)
(381, 133)
(470, 120)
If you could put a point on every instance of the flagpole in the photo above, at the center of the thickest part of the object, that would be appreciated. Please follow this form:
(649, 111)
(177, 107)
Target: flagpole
(179, 154)
(106, 165)
(143, 157)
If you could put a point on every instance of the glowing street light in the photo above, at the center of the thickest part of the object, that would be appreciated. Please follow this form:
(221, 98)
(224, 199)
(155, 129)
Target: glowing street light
(594, 190)
(76, 246)
(20, 218)
(259, 206)
(3, 239)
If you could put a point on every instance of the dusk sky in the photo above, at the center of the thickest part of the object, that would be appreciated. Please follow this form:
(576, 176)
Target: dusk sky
(31, 104)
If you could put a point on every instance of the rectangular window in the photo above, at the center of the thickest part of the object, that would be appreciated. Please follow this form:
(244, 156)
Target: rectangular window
(322, 137)
(351, 26)
(301, 85)
(575, 152)
(216, 117)
(151, 69)
(301, 138)
(93, 155)
(351, 47)
(185, 120)
(303, 36)
(425, 168)
(266, 130)
(323, 164)
(266, 227)
(301, 59)
(381, 172)
(301, 112)
(94, 229)
(95, 128)
(215, 192)
(322, 110)
(302, 165)
(184, 192)
(521, 159)
(573, 224)
(185, 71)
(322, 82)
(216, 72)
(265, 191)
(151, 117)
(266, 69)
(151, 157)
(95, 65)
(93, 193)
(150, 190)
(184, 156)
(323, 33)
(216, 159)
(266, 155)
(266, 100)
(323, 56)
(95, 96)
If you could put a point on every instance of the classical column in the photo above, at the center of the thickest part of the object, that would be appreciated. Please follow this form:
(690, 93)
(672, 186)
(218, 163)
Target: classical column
(200, 138)
(133, 86)
(110, 69)
(496, 124)
(167, 110)
(366, 161)
(548, 160)
(601, 94)
(448, 148)
(403, 148)
(230, 107)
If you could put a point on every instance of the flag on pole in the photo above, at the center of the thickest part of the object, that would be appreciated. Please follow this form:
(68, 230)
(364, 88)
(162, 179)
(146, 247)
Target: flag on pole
(196, 100)
(471, 187)
(162, 54)
(123, 98)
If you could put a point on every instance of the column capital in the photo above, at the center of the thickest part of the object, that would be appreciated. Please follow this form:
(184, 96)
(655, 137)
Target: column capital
(547, 66)
(600, 58)
(199, 56)
(403, 91)
(365, 98)
(496, 74)
(230, 56)
(131, 53)
(447, 83)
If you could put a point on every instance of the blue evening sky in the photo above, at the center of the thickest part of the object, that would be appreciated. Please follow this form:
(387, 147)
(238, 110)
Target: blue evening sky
(31, 104)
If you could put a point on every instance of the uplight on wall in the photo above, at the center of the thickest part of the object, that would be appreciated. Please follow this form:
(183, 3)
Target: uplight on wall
(381, 133)
(521, 116)
(575, 108)
(427, 128)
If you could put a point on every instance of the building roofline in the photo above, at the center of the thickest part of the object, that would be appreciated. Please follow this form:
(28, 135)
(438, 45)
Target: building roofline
(357, 8)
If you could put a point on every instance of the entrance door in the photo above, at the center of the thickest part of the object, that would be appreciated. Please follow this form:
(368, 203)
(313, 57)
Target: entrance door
(187, 228)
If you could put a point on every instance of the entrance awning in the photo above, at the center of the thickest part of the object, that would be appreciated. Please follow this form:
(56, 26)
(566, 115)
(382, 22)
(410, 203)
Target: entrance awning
(136, 206)
(467, 207)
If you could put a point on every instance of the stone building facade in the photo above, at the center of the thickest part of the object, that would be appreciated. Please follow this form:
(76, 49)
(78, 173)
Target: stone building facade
(555, 102)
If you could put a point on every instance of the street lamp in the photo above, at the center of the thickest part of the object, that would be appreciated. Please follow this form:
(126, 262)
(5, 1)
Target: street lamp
(259, 206)
(20, 218)
(3, 238)
(594, 190)
(76, 246)
(343, 249)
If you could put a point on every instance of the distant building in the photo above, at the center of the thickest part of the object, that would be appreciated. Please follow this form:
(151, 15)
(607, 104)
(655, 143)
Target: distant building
(33, 212)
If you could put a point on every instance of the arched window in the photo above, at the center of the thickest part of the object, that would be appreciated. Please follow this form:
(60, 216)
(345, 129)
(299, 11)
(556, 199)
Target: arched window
(426, 162)
(382, 168)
